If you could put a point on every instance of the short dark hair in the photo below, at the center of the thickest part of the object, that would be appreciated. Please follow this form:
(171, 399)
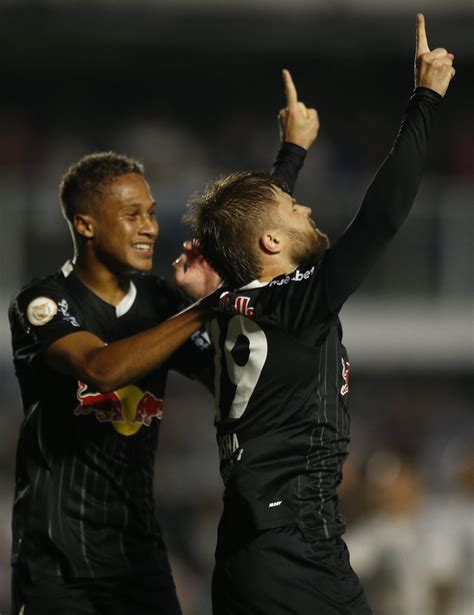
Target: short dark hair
(227, 220)
(84, 181)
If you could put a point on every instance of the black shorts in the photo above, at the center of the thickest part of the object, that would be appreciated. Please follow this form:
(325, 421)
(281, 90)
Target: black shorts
(144, 594)
(277, 572)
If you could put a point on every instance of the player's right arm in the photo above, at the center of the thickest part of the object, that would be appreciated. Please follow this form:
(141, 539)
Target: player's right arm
(391, 194)
(56, 333)
(84, 356)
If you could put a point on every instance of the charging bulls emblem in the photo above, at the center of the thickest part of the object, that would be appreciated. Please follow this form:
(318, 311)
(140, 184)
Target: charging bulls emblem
(128, 408)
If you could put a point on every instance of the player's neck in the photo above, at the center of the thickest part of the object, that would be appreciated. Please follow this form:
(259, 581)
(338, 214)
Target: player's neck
(272, 269)
(98, 278)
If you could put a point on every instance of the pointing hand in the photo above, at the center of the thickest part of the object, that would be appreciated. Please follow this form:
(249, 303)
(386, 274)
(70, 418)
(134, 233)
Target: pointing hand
(433, 69)
(297, 123)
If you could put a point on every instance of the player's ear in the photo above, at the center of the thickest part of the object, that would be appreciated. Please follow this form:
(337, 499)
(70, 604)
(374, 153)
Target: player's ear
(270, 242)
(84, 225)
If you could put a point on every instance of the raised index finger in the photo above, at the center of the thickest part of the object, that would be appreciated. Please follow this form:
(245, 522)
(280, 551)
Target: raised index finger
(421, 40)
(290, 90)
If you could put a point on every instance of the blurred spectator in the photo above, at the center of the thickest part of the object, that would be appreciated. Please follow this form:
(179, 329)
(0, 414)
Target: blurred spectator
(453, 536)
(414, 553)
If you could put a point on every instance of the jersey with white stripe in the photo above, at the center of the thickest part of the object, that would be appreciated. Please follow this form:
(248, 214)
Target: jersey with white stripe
(281, 380)
(84, 475)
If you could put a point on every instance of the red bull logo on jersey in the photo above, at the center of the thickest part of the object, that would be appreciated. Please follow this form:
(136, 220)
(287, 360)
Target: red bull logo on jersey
(128, 408)
(241, 304)
(345, 377)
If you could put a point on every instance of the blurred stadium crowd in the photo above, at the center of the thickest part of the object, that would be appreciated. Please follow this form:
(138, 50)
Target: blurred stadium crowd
(190, 114)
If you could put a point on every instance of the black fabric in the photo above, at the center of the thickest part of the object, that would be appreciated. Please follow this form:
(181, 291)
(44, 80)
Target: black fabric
(283, 430)
(277, 571)
(144, 594)
(84, 472)
(288, 164)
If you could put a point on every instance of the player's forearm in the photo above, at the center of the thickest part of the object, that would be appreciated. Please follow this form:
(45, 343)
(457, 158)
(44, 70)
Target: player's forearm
(130, 359)
(288, 163)
(392, 193)
(386, 203)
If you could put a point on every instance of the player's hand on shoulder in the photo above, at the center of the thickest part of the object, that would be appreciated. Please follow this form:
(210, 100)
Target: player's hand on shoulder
(298, 124)
(433, 69)
(193, 274)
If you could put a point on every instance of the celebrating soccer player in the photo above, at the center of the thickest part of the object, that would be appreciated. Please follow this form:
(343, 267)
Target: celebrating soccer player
(282, 372)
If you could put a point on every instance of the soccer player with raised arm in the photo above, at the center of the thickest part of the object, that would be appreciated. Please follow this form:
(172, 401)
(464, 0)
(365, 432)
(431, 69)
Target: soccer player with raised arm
(282, 372)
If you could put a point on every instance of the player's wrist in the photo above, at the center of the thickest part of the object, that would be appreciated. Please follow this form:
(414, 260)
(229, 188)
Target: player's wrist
(207, 304)
(294, 149)
(421, 91)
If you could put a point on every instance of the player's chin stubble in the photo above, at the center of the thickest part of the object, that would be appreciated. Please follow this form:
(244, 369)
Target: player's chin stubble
(306, 245)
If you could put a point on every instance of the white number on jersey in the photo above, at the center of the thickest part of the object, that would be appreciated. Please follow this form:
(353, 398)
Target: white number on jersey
(244, 377)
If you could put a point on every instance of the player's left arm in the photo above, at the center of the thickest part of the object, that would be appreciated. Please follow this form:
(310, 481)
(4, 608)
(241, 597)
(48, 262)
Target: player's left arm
(299, 128)
(391, 194)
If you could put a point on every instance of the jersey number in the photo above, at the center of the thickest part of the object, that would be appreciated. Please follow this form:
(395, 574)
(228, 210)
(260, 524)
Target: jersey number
(239, 358)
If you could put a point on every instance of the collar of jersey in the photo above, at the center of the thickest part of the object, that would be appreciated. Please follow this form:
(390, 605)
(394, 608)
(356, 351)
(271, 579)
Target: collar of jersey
(254, 284)
(258, 284)
(125, 304)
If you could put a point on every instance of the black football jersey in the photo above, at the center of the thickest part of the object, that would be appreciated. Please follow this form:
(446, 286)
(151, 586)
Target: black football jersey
(281, 370)
(282, 383)
(84, 474)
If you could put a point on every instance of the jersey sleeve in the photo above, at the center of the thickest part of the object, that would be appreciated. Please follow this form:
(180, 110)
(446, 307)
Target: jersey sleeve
(386, 203)
(288, 163)
(39, 316)
(194, 356)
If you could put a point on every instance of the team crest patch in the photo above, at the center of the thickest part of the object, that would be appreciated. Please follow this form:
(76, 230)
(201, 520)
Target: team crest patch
(41, 310)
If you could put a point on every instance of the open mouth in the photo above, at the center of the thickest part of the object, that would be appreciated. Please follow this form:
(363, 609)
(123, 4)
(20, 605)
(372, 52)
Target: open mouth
(144, 249)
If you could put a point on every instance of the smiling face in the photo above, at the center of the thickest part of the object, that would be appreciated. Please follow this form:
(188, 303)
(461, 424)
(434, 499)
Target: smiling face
(124, 225)
(303, 239)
